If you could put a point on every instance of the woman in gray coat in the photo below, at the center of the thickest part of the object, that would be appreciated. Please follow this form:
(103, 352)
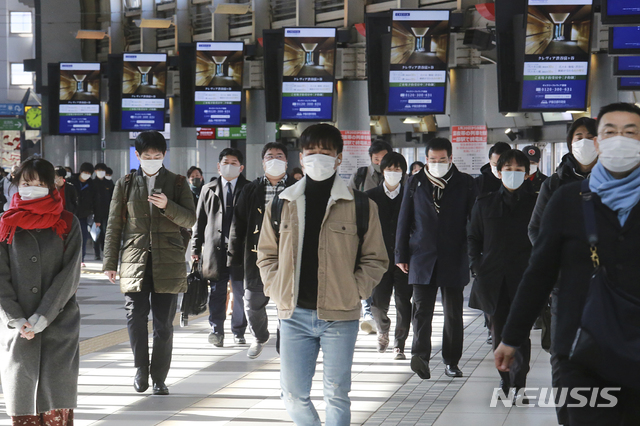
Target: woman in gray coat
(40, 255)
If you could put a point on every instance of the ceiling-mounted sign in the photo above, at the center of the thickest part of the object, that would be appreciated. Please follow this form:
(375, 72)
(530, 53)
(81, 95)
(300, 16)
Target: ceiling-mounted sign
(14, 124)
(79, 108)
(231, 132)
(12, 109)
(206, 133)
(143, 91)
(218, 96)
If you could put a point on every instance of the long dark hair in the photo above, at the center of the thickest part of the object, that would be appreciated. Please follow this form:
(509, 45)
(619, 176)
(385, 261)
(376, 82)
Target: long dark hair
(37, 168)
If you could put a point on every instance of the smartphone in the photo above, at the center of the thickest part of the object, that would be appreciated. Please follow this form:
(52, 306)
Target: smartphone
(156, 191)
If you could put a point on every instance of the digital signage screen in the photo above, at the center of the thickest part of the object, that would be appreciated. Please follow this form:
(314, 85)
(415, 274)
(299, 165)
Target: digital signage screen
(144, 82)
(79, 109)
(621, 12)
(419, 59)
(627, 65)
(218, 95)
(624, 40)
(629, 83)
(308, 71)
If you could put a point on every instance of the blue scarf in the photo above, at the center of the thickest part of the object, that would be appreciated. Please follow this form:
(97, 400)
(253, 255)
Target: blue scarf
(620, 195)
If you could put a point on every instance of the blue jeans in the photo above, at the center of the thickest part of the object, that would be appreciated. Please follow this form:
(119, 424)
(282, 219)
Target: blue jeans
(301, 337)
(366, 309)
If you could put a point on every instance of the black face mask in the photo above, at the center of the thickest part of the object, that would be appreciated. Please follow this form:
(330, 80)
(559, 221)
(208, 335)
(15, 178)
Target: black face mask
(197, 182)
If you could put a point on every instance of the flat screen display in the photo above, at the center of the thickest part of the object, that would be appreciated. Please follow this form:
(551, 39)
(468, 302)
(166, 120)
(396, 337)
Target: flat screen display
(621, 12)
(308, 71)
(629, 83)
(218, 96)
(144, 82)
(624, 40)
(557, 53)
(79, 108)
(419, 59)
(627, 65)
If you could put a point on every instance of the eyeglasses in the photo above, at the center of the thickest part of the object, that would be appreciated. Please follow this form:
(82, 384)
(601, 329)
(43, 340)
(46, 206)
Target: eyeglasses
(631, 133)
(269, 157)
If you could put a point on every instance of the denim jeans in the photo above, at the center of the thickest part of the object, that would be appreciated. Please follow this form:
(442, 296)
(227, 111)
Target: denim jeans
(301, 337)
(366, 309)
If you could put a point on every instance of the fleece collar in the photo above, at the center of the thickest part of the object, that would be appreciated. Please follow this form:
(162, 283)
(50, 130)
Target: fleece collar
(339, 190)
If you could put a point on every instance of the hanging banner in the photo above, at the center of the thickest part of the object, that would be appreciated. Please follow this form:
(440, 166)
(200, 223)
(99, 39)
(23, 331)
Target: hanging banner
(469, 148)
(355, 152)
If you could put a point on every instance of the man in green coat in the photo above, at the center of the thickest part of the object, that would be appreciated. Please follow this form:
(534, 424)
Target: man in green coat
(147, 211)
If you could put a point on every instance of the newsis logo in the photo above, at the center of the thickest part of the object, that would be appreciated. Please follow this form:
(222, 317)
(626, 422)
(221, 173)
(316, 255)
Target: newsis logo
(293, 32)
(67, 66)
(545, 397)
(402, 14)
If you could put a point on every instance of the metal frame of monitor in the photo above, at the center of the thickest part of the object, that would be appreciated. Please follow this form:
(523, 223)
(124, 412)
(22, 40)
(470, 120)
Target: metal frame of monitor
(620, 52)
(617, 19)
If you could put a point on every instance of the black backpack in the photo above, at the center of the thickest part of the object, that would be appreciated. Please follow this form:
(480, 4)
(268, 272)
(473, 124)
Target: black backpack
(361, 177)
(362, 217)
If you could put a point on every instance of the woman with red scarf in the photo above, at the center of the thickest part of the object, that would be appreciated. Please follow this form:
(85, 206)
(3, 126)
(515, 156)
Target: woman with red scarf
(40, 255)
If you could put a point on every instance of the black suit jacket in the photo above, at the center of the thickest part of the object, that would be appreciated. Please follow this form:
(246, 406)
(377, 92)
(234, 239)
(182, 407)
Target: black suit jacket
(388, 212)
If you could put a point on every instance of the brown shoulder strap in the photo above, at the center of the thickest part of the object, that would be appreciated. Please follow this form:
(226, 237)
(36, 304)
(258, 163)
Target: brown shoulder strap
(127, 193)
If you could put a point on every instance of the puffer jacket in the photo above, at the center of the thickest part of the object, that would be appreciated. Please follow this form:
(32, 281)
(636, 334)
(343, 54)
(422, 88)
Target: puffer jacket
(147, 228)
(340, 289)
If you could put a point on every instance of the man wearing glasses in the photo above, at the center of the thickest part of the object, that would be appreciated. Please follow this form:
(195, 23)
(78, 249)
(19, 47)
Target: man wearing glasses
(245, 232)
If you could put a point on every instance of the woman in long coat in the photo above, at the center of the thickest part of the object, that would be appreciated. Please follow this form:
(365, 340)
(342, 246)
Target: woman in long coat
(40, 255)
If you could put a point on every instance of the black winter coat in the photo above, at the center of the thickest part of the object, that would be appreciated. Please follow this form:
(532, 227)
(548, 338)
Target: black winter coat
(105, 188)
(88, 199)
(487, 182)
(537, 181)
(70, 198)
(425, 237)
(208, 241)
(245, 231)
(499, 246)
(388, 212)
(565, 173)
(562, 250)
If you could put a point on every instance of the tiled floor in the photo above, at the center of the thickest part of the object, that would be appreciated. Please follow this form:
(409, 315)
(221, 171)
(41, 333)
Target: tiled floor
(221, 386)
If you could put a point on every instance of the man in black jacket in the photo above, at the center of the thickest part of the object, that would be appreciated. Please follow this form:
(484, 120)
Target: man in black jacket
(210, 244)
(67, 191)
(499, 250)
(431, 246)
(88, 202)
(562, 251)
(388, 197)
(105, 189)
(488, 180)
(245, 233)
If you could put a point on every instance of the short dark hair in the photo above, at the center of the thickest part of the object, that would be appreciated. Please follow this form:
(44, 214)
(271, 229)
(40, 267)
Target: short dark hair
(416, 163)
(393, 159)
(587, 122)
(193, 169)
(297, 170)
(512, 155)
(274, 145)
(499, 148)
(617, 107)
(233, 152)
(379, 145)
(37, 167)
(323, 136)
(101, 166)
(439, 144)
(61, 171)
(87, 167)
(109, 171)
(151, 140)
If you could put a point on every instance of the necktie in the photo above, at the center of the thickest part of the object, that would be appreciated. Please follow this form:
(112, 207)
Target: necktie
(228, 211)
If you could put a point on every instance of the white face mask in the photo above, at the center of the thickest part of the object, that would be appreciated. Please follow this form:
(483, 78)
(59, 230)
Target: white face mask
(619, 154)
(229, 171)
(85, 176)
(151, 167)
(32, 192)
(101, 174)
(68, 175)
(376, 167)
(585, 151)
(275, 167)
(392, 178)
(494, 170)
(108, 177)
(512, 180)
(533, 169)
(319, 167)
(438, 169)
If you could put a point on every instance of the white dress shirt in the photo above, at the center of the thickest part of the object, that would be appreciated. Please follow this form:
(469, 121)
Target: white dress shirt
(392, 194)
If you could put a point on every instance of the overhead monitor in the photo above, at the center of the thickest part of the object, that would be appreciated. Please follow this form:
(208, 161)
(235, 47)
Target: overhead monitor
(556, 117)
(620, 12)
(419, 60)
(79, 102)
(308, 70)
(626, 65)
(218, 83)
(624, 40)
(144, 78)
(629, 83)
(557, 54)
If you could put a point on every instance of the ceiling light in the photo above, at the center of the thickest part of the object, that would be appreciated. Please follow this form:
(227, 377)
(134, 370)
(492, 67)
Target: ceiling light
(412, 120)
(93, 35)
(153, 23)
(288, 126)
(511, 134)
(230, 9)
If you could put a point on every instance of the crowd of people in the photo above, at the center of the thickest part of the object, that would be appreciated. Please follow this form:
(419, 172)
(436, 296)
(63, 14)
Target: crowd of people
(330, 255)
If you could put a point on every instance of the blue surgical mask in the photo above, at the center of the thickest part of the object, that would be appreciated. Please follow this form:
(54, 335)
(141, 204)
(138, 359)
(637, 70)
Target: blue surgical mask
(512, 179)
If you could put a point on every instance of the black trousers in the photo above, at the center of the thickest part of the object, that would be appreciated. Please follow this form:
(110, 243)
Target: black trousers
(393, 281)
(98, 246)
(255, 306)
(517, 374)
(218, 305)
(163, 306)
(424, 300)
(625, 413)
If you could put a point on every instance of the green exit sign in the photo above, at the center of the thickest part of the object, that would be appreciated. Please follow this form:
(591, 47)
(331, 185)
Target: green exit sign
(15, 124)
(231, 132)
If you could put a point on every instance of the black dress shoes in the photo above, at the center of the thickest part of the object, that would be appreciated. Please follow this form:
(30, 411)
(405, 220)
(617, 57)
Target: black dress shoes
(420, 367)
(452, 371)
(160, 388)
(141, 381)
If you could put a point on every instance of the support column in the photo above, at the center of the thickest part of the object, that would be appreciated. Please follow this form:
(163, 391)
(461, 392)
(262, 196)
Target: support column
(604, 89)
(183, 151)
(259, 132)
(219, 24)
(148, 35)
(352, 109)
(467, 97)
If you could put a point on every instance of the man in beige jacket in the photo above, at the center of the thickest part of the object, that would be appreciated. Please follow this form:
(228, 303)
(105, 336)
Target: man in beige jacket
(311, 269)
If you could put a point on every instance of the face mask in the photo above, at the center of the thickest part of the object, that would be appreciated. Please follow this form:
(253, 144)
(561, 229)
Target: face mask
(101, 174)
(392, 178)
(533, 169)
(376, 167)
(585, 151)
(85, 176)
(494, 170)
(439, 169)
(619, 154)
(319, 167)
(108, 177)
(275, 167)
(197, 182)
(229, 171)
(512, 180)
(151, 167)
(68, 175)
(32, 192)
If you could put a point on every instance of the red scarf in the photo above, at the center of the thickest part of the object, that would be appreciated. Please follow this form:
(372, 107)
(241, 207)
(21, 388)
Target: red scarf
(42, 213)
